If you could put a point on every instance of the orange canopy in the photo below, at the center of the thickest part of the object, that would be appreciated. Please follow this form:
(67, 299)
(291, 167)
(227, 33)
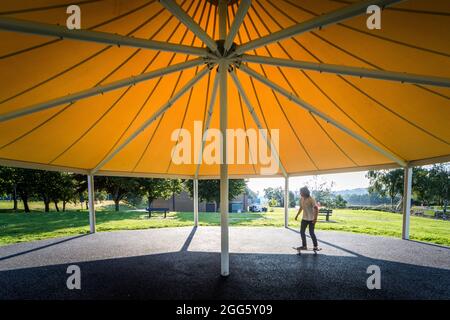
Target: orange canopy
(383, 122)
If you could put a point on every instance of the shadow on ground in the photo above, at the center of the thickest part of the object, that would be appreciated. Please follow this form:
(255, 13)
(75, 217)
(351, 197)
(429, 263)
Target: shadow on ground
(187, 274)
(23, 224)
(194, 275)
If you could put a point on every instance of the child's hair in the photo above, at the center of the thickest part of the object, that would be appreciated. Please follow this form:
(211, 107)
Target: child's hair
(305, 192)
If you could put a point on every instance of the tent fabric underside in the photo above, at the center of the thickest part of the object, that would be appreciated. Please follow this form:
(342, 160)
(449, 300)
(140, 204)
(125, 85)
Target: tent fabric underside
(409, 120)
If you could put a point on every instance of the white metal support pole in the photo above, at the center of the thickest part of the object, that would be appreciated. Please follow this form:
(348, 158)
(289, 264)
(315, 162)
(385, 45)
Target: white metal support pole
(223, 69)
(224, 172)
(286, 201)
(195, 202)
(407, 186)
(91, 203)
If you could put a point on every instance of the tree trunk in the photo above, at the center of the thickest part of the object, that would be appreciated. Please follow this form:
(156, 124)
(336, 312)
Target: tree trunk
(15, 198)
(150, 203)
(64, 206)
(173, 201)
(117, 198)
(56, 206)
(25, 203)
(47, 206)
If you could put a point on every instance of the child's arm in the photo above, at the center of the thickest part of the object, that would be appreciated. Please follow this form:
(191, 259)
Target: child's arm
(298, 213)
(316, 213)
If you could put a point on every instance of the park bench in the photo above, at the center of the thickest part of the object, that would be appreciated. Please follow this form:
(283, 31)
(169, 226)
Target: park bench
(440, 215)
(150, 210)
(419, 213)
(325, 212)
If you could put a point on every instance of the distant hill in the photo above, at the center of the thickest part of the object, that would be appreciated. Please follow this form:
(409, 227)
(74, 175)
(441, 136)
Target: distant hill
(357, 191)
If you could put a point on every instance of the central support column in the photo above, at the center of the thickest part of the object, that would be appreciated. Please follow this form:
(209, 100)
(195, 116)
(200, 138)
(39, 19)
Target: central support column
(407, 186)
(223, 66)
(286, 202)
(91, 203)
(223, 69)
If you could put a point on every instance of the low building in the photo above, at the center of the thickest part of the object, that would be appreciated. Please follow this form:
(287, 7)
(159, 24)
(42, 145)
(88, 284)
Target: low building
(184, 202)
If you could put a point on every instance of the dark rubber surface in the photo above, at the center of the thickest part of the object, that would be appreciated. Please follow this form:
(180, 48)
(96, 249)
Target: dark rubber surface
(185, 263)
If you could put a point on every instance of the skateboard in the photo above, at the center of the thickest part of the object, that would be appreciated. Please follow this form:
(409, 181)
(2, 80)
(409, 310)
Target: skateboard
(299, 251)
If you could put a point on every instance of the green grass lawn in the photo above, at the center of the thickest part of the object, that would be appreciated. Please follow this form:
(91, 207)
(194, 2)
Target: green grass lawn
(18, 227)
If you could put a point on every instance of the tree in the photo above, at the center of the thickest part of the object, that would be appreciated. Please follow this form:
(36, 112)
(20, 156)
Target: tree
(236, 187)
(155, 188)
(272, 203)
(61, 187)
(209, 190)
(421, 185)
(136, 199)
(26, 187)
(117, 187)
(386, 183)
(366, 199)
(428, 185)
(321, 192)
(81, 188)
(176, 186)
(339, 202)
(67, 189)
(439, 176)
(47, 186)
(292, 199)
(8, 183)
(252, 196)
(276, 194)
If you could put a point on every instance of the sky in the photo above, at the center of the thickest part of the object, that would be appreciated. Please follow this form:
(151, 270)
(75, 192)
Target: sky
(342, 181)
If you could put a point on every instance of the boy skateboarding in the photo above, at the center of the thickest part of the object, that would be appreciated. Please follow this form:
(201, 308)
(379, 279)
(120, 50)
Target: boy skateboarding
(310, 212)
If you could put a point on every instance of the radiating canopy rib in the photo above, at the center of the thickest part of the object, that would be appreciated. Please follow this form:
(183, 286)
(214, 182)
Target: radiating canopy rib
(378, 110)
(322, 115)
(352, 71)
(45, 29)
(208, 120)
(155, 115)
(187, 20)
(318, 22)
(251, 110)
(100, 89)
(238, 19)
